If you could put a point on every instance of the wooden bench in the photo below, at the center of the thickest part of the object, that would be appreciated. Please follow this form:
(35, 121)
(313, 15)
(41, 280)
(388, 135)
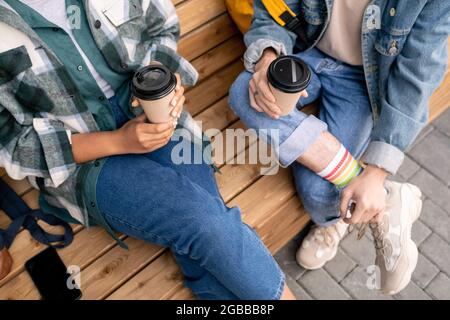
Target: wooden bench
(215, 47)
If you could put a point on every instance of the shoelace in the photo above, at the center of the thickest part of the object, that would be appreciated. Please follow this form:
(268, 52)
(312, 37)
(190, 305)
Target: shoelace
(377, 233)
(324, 235)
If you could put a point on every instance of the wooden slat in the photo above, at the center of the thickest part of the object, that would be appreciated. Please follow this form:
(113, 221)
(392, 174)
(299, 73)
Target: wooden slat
(195, 13)
(114, 268)
(153, 282)
(218, 116)
(182, 294)
(219, 57)
(19, 186)
(440, 101)
(226, 153)
(175, 2)
(213, 88)
(217, 31)
(4, 220)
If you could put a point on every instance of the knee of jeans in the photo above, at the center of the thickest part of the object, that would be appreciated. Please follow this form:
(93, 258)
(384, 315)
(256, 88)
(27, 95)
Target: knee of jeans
(319, 197)
(209, 226)
(238, 97)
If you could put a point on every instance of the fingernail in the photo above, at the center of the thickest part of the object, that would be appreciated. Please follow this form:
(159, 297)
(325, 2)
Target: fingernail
(174, 102)
(175, 123)
(174, 113)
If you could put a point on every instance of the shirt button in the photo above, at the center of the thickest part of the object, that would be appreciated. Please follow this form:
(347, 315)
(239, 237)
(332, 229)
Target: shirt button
(55, 29)
(97, 164)
(392, 50)
(92, 204)
(124, 65)
(97, 24)
(101, 98)
(392, 12)
(80, 68)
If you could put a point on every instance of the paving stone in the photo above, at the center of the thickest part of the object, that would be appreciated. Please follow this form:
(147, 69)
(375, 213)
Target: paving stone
(439, 288)
(423, 134)
(437, 219)
(420, 232)
(358, 282)
(425, 271)
(320, 285)
(432, 188)
(361, 251)
(443, 122)
(398, 178)
(437, 250)
(286, 259)
(412, 292)
(408, 168)
(296, 289)
(340, 266)
(433, 153)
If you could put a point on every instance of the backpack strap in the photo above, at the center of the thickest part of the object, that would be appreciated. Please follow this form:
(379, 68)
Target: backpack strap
(22, 215)
(285, 17)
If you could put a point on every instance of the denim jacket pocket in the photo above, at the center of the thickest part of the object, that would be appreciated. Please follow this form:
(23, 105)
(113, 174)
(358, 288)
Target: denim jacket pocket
(390, 43)
(122, 11)
(13, 62)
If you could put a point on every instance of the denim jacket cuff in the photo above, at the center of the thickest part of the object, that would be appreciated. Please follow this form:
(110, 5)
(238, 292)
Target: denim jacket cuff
(385, 156)
(256, 49)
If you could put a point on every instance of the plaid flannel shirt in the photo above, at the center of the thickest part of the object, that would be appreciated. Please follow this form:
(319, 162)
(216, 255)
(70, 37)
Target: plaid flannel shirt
(39, 104)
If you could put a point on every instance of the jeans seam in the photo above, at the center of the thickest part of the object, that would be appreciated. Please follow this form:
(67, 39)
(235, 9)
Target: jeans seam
(280, 288)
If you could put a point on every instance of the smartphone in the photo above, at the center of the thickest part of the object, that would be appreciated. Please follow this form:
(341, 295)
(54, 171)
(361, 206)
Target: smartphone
(50, 276)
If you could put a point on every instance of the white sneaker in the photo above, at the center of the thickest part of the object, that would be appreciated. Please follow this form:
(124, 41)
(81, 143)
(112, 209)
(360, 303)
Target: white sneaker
(396, 252)
(320, 245)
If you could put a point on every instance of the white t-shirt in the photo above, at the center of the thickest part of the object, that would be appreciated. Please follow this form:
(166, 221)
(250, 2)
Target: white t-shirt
(55, 12)
(342, 39)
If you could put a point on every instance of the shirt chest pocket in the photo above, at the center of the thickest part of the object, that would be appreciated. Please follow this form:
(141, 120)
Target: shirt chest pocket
(121, 11)
(13, 62)
(27, 89)
(390, 43)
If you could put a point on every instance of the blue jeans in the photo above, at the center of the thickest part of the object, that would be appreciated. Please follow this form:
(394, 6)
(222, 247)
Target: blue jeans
(180, 207)
(344, 110)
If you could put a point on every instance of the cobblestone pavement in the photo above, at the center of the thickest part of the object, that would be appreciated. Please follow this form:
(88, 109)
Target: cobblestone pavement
(427, 165)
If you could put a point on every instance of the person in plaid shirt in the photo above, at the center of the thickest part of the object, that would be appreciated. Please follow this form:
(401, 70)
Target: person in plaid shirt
(68, 124)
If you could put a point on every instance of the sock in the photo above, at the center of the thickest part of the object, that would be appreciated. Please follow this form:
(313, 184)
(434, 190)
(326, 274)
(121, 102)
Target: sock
(342, 169)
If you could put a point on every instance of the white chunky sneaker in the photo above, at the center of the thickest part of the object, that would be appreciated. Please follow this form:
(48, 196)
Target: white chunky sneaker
(320, 245)
(396, 252)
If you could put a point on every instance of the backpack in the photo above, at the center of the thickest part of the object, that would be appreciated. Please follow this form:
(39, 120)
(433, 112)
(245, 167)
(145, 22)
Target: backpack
(22, 216)
(241, 11)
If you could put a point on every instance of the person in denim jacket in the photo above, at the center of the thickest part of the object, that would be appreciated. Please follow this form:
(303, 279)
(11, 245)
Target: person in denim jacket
(375, 65)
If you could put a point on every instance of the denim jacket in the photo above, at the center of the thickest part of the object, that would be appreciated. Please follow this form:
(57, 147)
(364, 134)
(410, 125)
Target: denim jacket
(404, 47)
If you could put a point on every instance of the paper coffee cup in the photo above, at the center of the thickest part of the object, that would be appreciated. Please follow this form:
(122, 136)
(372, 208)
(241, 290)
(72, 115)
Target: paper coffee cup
(154, 87)
(288, 76)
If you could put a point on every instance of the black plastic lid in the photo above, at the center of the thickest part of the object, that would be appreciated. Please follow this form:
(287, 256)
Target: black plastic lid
(153, 82)
(289, 74)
